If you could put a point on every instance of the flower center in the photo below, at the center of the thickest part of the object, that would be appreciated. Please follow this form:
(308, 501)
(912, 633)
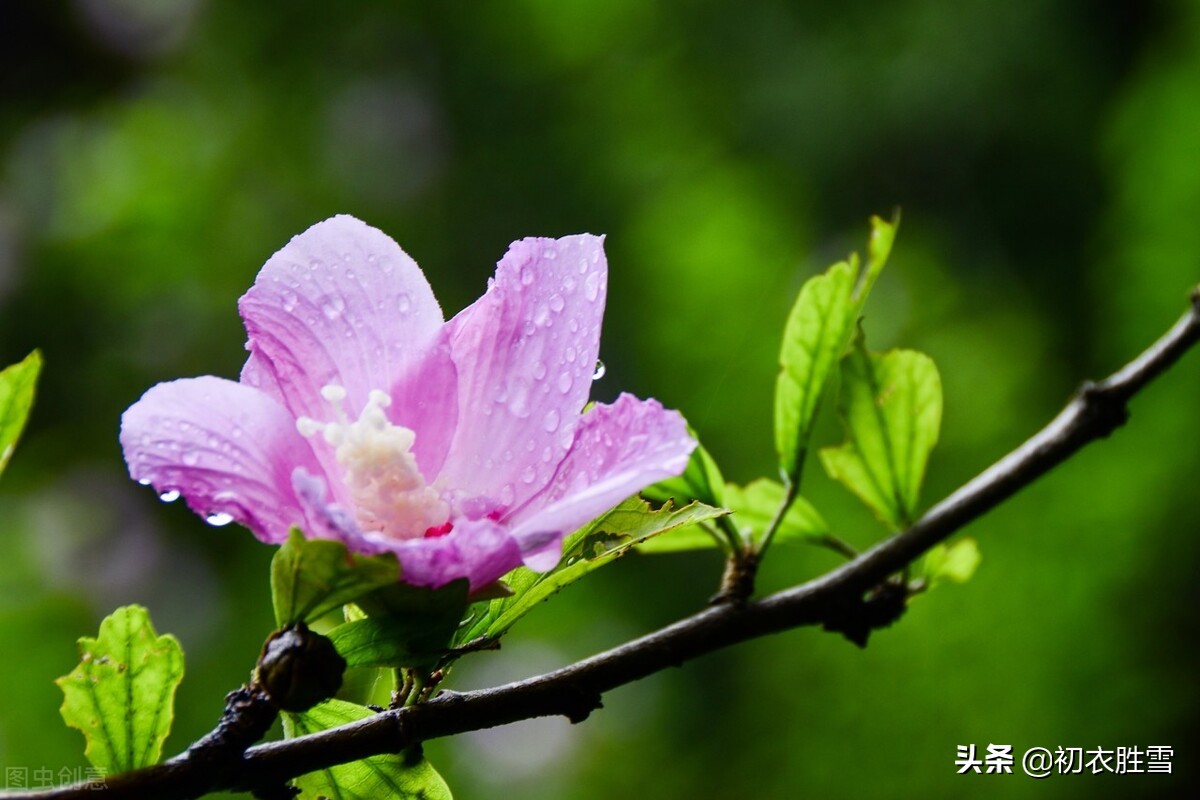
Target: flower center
(389, 492)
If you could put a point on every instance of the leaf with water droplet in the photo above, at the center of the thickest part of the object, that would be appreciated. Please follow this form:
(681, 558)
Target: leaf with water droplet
(122, 694)
(598, 543)
(311, 577)
(403, 776)
(17, 384)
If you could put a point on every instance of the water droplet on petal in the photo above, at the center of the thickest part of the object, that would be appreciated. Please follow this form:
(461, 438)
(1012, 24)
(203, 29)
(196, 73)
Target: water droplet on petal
(527, 276)
(573, 324)
(556, 303)
(550, 423)
(507, 494)
(190, 457)
(583, 266)
(569, 283)
(333, 306)
(541, 317)
(591, 286)
(144, 481)
(539, 370)
(169, 496)
(547, 454)
(550, 254)
(564, 382)
(528, 474)
(570, 354)
(599, 371)
(218, 519)
(289, 301)
(404, 302)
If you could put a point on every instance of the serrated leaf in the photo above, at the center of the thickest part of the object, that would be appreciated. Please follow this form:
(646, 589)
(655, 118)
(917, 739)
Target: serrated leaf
(403, 626)
(954, 562)
(17, 384)
(122, 694)
(401, 776)
(891, 408)
(755, 504)
(816, 334)
(311, 577)
(589, 548)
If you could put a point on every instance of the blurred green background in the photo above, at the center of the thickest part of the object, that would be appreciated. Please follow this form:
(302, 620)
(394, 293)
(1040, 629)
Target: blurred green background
(154, 153)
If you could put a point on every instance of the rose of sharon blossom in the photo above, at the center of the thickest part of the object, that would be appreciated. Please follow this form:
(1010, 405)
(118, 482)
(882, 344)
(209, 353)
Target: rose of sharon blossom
(362, 416)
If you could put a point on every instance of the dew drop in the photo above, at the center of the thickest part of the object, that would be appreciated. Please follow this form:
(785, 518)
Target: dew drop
(507, 494)
(573, 324)
(550, 423)
(541, 317)
(547, 454)
(169, 496)
(144, 481)
(591, 286)
(598, 373)
(539, 370)
(333, 306)
(556, 303)
(569, 283)
(404, 302)
(528, 474)
(570, 355)
(550, 254)
(190, 458)
(583, 266)
(564, 382)
(526, 276)
(219, 518)
(289, 301)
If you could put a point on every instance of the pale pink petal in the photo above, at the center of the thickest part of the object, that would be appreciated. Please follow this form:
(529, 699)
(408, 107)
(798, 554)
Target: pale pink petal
(619, 449)
(480, 550)
(340, 304)
(425, 400)
(227, 448)
(525, 354)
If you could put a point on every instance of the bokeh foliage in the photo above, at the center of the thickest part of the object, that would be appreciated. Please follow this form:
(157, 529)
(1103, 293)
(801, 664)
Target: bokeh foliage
(153, 154)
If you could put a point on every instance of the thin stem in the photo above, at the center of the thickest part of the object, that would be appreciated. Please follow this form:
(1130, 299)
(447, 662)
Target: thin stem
(790, 491)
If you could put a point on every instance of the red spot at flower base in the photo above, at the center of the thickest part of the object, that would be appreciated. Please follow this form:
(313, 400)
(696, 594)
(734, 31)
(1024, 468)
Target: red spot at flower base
(439, 530)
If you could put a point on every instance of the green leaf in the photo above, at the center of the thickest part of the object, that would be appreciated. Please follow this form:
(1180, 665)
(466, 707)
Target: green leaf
(591, 547)
(16, 398)
(402, 776)
(122, 694)
(754, 505)
(406, 626)
(816, 334)
(311, 577)
(955, 562)
(891, 407)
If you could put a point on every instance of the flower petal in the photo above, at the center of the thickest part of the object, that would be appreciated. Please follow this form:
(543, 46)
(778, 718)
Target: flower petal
(425, 400)
(480, 550)
(525, 354)
(340, 304)
(619, 449)
(226, 447)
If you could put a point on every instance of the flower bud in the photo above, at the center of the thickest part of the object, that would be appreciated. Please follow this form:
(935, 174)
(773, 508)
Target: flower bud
(299, 668)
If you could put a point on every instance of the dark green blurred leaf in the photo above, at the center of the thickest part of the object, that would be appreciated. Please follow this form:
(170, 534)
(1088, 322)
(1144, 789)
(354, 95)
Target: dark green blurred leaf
(891, 407)
(399, 776)
(122, 694)
(311, 577)
(17, 383)
(589, 548)
(955, 562)
(405, 626)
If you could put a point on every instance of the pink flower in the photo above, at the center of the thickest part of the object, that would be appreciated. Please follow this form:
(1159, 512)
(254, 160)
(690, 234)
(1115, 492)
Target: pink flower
(361, 416)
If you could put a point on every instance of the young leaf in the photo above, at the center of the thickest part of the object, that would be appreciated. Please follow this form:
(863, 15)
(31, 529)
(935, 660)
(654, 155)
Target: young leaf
(754, 505)
(589, 548)
(408, 626)
(816, 334)
(16, 397)
(311, 577)
(891, 408)
(954, 562)
(403, 776)
(122, 694)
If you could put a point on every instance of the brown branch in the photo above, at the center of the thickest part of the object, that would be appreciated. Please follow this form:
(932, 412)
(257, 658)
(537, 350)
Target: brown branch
(575, 691)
